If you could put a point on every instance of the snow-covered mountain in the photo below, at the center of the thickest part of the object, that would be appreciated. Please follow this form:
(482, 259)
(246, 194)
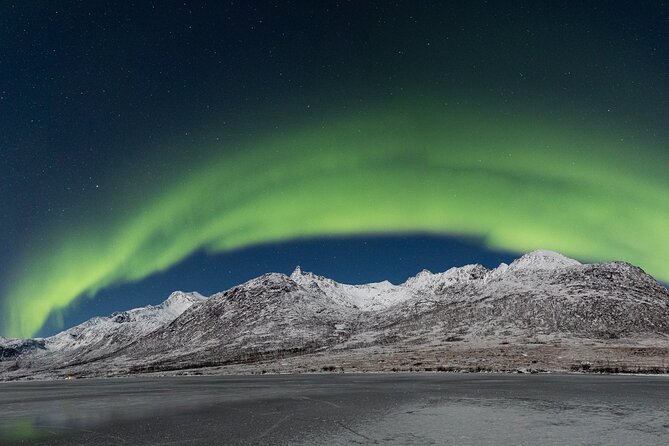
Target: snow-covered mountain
(542, 297)
(101, 336)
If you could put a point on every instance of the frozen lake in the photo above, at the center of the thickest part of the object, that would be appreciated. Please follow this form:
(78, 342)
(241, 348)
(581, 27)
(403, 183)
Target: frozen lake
(439, 408)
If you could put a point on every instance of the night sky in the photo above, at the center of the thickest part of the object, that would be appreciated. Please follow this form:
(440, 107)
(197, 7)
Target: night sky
(152, 146)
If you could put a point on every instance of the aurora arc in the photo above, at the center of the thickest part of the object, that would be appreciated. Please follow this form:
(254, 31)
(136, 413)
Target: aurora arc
(392, 170)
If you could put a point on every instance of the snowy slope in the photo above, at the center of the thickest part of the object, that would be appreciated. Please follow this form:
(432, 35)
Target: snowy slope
(267, 316)
(542, 294)
(101, 336)
(124, 326)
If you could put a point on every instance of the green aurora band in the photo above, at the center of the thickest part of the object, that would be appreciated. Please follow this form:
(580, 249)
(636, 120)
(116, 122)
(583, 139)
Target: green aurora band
(517, 183)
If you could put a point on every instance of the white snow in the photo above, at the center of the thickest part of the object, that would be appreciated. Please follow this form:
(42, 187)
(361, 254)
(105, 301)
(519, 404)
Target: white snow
(127, 324)
(543, 259)
(367, 297)
(380, 295)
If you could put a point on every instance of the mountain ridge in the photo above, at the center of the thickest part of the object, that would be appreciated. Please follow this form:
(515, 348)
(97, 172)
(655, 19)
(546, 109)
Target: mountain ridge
(542, 297)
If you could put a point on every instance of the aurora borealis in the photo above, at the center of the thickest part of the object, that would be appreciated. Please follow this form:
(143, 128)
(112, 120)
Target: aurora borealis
(551, 164)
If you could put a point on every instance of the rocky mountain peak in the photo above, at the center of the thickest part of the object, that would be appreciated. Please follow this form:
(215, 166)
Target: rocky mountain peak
(543, 259)
(427, 280)
(311, 280)
(182, 298)
(467, 272)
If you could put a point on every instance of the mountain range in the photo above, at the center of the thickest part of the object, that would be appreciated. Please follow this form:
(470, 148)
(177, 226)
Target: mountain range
(543, 312)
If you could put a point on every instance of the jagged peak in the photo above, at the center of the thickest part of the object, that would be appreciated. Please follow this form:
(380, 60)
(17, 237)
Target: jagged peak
(426, 278)
(308, 278)
(297, 272)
